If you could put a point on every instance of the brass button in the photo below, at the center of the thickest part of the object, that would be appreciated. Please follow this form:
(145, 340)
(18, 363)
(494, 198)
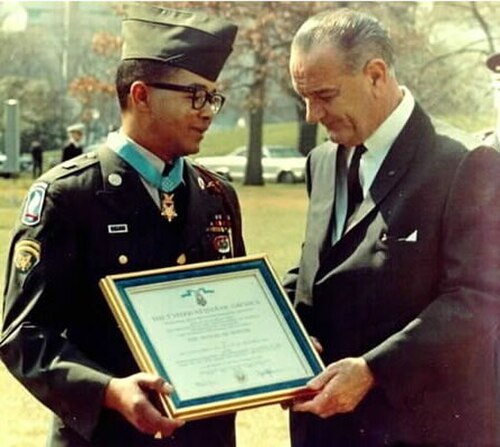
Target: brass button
(115, 179)
(181, 260)
(122, 259)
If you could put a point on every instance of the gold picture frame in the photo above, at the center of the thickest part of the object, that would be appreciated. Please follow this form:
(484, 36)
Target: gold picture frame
(223, 333)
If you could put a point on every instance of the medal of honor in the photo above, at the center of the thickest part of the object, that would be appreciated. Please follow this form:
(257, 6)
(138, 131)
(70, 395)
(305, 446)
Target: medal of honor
(168, 206)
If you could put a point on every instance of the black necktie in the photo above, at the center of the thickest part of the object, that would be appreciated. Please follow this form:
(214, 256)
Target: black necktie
(354, 189)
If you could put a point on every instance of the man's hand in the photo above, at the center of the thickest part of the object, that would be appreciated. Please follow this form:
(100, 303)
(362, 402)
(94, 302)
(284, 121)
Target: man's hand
(341, 387)
(129, 396)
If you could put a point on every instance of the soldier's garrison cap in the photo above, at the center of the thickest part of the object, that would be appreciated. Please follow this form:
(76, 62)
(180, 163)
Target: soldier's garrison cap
(190, 40)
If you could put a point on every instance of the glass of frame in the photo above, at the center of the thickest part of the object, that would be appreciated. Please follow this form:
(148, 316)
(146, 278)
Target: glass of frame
(223, 333)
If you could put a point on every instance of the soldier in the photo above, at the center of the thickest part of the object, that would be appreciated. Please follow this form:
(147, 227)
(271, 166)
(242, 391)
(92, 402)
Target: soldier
(136, 203)
(492, 138)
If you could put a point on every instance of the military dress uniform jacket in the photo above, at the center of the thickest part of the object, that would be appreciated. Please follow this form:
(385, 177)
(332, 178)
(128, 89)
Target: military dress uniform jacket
(413, 285)
(59, 338)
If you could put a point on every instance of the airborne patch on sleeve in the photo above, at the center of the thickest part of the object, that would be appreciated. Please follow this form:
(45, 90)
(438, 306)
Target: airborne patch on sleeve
(26, 255)
(32, 212)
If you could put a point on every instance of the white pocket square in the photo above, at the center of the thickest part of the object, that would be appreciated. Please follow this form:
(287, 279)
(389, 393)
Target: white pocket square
(412, 237)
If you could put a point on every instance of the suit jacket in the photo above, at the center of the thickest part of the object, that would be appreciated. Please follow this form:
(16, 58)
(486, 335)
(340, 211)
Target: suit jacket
(59, 337)
(413, 287)
(71, 150)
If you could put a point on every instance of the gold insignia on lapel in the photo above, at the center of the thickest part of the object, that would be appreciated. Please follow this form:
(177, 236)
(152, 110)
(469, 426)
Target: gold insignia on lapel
(26, 255)
(168, 206)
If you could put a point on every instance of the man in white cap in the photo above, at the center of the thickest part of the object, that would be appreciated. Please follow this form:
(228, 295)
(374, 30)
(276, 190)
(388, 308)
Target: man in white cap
(74, 146)
(136, 203)
(492, 138)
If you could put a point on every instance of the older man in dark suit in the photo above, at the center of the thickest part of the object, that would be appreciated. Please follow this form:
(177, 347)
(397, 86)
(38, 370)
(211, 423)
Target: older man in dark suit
(399, 276)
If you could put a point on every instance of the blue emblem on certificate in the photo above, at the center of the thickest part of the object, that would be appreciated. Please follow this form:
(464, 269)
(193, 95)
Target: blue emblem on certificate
(32, 212)
(199, 294)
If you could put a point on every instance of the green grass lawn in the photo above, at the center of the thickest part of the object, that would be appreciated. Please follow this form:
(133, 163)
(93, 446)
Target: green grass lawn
(273, 223)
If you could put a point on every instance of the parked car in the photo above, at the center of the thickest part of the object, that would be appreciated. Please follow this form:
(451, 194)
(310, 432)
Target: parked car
(25, 162)
(280, 164)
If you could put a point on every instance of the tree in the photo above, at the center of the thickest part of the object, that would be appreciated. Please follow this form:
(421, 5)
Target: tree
(453, 79)
(260, 56)
(39, 120)
(444, 74)
(92, 83)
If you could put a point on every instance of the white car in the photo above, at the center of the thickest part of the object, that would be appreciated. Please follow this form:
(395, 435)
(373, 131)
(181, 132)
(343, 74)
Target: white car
(279, 164)
(25, 161)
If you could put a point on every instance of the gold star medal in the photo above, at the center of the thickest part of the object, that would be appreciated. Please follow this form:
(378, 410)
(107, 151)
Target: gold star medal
(168, 206)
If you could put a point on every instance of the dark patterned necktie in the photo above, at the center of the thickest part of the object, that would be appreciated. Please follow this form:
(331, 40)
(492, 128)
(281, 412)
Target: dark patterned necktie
(354, 189)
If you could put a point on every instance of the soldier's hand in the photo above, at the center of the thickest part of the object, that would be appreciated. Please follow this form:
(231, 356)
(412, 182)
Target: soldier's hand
(129, 396)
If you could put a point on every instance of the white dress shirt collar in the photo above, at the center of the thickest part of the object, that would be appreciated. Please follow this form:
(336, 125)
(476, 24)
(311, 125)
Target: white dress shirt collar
(379, 143)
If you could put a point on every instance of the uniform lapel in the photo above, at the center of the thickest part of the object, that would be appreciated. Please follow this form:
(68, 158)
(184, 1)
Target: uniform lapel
(122, 189)
(199, 207)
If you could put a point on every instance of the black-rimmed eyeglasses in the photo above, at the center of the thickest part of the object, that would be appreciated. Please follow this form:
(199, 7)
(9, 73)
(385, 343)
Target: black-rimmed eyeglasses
(199, 96)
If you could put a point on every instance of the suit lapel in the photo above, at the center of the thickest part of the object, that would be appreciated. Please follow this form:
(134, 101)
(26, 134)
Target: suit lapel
(395, 165)
(321, 201)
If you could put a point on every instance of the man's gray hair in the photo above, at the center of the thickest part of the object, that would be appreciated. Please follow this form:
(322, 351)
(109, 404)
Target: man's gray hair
(357, 36)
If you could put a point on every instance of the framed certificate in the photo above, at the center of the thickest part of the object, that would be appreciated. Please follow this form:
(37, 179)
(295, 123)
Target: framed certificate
(222, 333)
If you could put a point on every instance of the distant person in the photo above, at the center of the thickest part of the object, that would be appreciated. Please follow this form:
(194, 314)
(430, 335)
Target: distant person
(37, 158)
(74, 146)
(492, 138)
(399, 279)
(135, 203)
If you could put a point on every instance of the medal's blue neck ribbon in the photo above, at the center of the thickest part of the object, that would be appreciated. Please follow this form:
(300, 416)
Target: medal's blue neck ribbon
(129, 152)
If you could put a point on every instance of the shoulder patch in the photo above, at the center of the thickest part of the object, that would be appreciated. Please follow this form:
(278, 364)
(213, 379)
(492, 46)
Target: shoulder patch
(26, 255)
(32, 212)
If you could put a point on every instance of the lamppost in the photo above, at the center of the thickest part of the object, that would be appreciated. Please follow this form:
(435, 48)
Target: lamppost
(13, 19)
(12, 138)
